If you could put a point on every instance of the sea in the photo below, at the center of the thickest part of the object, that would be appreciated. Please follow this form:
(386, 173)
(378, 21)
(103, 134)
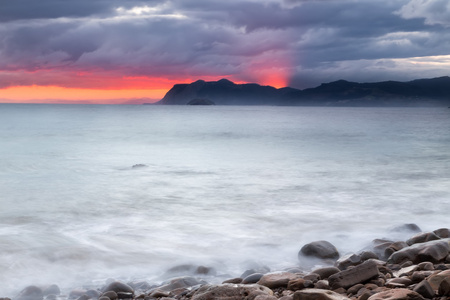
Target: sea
(93, 192)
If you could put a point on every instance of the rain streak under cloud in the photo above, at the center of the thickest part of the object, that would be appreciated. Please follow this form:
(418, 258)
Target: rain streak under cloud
(150, 45)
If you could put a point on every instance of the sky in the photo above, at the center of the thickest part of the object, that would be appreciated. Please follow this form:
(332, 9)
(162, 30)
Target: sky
(133, 51)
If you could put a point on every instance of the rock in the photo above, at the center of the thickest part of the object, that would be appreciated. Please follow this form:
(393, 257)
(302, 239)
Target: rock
(252, 278)
(350, 277)
(436, 279)
(326, 272)
(424, 289)
(30, 293)
(354, 289)
(277, 280)
(366, 255)
(182, 282)
(444, 287)
(234, 280)
(319, 249)
(110, 294)
(318, 294)
(422, 238)
(406, 228)
(104, 298)
(159, 293)
(76, 293)
(443, 233)
(396, 294)
(394, 247)
(94, 294)
(404, 281)
(117, 286)
(124, 295)
(265, 297)
(433, 251)
(139, 166)
(51, 290)
(312, 277)
(231, 292)
(259, 269)
(425, 266)
(299, 284)
(348, 260)
(322, 284)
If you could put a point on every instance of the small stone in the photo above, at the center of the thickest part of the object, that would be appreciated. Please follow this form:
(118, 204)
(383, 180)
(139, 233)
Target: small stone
(104, 298)
(365, 255)
(322, 284)
(407, 228)
(424, 289)
(350, 277)
(30, 293)
(124, 295)
(425, 266)
(354, 289)
(348, 260)
(110, 294)
(52, 289)
(444, 287)
(117, 287)
(318, 294)
(277, 280)
(265, 297)
(402, 280)
(252, 278)
(234, 280)
(299, 284)
(436, 279)
(319, 249)
(417, 277)
(159, 293)
(396, 294)
(312, 277)
(443, 233)
(394, 247)
(231, 292)
(326, 272)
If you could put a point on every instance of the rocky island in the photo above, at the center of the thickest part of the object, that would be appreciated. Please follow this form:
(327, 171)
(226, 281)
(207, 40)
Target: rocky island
(415, 269)
(420, 93)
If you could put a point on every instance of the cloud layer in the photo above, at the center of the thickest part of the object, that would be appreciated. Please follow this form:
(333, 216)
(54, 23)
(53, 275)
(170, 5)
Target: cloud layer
(112, 43)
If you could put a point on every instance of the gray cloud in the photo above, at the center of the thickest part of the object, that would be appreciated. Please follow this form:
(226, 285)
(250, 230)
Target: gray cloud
(314, 41)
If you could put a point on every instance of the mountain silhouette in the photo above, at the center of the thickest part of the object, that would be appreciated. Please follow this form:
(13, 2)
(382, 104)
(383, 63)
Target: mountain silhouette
(421, 92)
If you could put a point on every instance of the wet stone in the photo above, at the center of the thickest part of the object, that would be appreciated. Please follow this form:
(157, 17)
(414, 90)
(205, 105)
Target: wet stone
(347, 261)
(350, 277)
(422, 238)
(318, 294)
(354, 289)
(443, 233)
(234, 280)
(326, 272)
(424, 289)
(110, 294)
(396, 294)
(30, 293)
(319, 249)
(277, 280)
(444, 287)
(117, 287)
(299, 284)
(252, 278)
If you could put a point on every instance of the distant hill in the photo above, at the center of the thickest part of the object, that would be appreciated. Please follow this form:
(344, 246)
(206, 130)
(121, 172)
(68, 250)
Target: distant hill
(421, 92)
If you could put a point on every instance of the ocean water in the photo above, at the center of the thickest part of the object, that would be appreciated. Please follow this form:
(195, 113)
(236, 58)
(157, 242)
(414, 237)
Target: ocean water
(222, 186)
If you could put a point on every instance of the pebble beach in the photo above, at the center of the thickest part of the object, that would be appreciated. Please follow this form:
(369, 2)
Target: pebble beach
(417, 268)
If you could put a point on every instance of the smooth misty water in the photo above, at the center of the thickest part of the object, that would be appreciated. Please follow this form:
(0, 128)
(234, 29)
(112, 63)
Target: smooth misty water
(223, 186)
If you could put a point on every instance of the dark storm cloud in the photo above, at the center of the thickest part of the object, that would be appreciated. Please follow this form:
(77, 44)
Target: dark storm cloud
(316, 40)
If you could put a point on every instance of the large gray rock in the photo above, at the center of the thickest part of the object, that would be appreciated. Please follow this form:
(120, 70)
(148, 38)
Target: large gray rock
(318, 294)
(433, 251)
(229, 291)
(350, 277)
(422, 238)
(319, 249)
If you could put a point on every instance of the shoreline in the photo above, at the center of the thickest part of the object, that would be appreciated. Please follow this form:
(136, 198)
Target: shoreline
(418, 268)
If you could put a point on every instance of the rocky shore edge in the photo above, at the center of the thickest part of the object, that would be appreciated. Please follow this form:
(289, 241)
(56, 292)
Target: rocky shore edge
(415, 269)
